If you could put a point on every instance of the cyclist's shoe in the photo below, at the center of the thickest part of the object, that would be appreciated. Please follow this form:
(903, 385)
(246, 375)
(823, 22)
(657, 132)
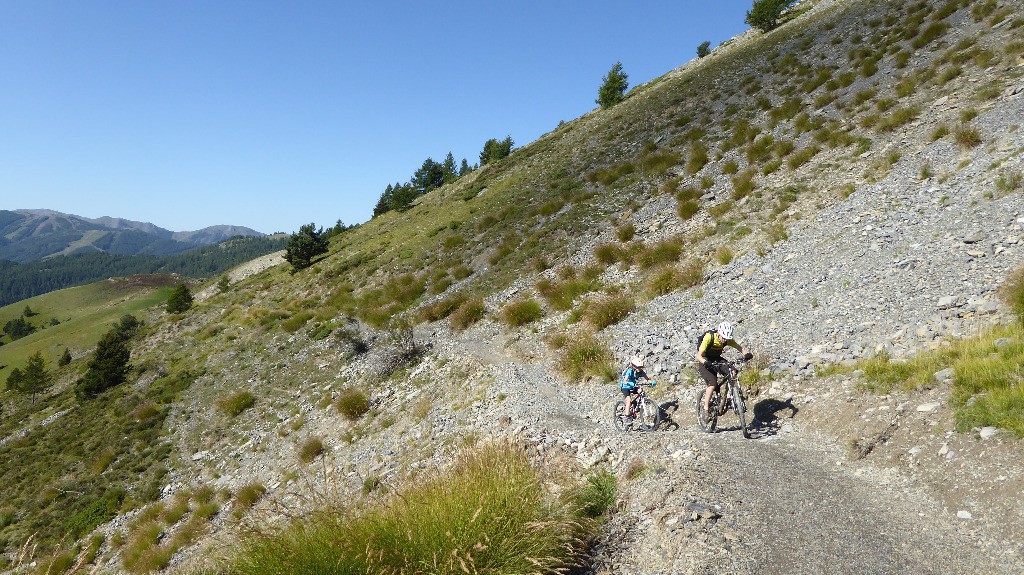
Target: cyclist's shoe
(702, 415)
(628, 421)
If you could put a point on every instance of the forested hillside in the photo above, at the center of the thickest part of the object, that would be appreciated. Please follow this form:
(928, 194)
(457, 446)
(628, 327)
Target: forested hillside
(29, 235)
(22, 281)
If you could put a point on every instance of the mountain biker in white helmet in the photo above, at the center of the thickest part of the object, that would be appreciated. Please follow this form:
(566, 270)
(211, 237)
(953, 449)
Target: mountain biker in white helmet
(631, 380)
(709, 351)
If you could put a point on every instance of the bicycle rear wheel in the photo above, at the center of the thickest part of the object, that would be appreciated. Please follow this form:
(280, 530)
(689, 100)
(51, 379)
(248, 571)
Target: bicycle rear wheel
(649, 414)
(619, 415)
(709, 423)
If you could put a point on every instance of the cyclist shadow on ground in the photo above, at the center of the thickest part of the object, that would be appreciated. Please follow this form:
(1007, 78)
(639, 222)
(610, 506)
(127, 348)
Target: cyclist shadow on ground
(766, 419)
(668, 409)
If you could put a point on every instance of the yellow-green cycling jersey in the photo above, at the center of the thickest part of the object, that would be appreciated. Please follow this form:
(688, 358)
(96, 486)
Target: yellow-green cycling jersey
(712, 345)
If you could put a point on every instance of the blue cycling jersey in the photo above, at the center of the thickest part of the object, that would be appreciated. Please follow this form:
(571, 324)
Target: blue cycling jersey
(631, 377)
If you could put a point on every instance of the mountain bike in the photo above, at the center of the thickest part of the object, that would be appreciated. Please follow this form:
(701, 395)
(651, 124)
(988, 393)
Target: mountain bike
(644, 413)
(729, 395)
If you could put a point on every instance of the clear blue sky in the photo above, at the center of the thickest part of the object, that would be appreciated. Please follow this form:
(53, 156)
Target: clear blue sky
(271, 115)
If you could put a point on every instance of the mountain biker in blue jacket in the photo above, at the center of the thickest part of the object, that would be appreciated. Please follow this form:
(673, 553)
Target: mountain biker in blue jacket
(710, 350)
(631, 381)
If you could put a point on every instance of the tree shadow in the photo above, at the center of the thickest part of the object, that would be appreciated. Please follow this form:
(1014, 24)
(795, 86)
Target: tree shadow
(766, 420)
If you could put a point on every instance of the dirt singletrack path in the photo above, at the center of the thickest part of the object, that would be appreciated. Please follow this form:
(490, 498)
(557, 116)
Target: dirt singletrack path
(788, 501)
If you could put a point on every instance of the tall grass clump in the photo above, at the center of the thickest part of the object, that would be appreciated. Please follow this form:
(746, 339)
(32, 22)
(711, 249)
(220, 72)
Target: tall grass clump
(310, 449)
(442, 308)
(467, 314)
(233, 405)
(966, 136)
(671, 278)
(1009, 181)
(583, 355)
(352, 403)
(491, 513)
(562, 293)
(986, 386)
(521, 312)
(661, 252)
(609, 310)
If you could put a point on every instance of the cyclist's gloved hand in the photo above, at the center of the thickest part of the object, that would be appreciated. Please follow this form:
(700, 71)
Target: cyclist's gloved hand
(748, 356)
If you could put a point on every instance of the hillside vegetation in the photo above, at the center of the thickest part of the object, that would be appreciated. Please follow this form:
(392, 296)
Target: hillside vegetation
(846, 188)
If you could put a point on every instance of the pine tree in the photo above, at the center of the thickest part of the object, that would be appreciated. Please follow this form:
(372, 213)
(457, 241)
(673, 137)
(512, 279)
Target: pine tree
(107, 368)
(305, 245)
(428, 177)
(613, 87)
(35, 378)
(223, 284)
(495, 150)
(448, 169)
(65, 358)
(180, 299)
(703, 49)
(464, 168)
(15, 379)
(384, 203)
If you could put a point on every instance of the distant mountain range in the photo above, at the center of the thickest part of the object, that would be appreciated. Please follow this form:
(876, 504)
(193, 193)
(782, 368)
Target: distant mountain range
(30, 235)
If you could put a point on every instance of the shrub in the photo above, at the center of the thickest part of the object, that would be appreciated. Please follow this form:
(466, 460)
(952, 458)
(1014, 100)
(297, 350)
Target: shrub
(561, 294)
(467, 314)
(234, 404)
(312, 448)
(931, 33)
(583, 355)
(898, 117)
(352, 403)
(609, 310)
(670, 278)
(703, 49)
(940, 131)
(521, 312)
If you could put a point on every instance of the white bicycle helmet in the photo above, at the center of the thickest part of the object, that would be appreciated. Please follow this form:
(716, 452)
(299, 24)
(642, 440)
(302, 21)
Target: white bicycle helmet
(725, 330)
(637, 361)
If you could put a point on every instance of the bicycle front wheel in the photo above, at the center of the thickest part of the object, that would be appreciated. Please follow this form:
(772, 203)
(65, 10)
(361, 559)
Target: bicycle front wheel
(619, 415)
(741, 409)
(650, 414)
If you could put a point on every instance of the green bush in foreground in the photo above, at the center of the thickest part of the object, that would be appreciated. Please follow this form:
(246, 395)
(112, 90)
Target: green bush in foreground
(490, 514)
